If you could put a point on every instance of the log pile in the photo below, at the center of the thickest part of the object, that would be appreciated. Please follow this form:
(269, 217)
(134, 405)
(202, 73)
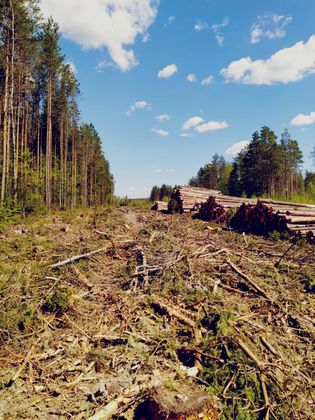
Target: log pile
(186, 199)
(300, 218)
(260, 217)
(221, 208)
(161, 206)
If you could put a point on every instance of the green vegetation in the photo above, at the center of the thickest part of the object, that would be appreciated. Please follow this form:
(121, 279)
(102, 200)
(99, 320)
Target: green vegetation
(59, 301)
(162, 193)
(265, 168)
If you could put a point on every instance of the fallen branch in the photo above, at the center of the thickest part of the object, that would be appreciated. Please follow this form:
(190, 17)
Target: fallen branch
(78, 257)
(266, 396)
(250, 281)
(175, 312)
(22, 367)
(143, 267)
(108, 411)
(250, 354)
(207, 355)
(295, 241)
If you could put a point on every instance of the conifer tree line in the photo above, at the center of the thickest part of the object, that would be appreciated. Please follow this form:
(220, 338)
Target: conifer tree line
(46, 156)
(161, 193)
(267, 166)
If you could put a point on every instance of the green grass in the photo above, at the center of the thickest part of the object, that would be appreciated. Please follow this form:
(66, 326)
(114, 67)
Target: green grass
(306, 198)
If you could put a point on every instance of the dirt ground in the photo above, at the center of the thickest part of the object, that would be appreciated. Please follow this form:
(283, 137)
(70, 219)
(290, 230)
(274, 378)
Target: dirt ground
(156, 310)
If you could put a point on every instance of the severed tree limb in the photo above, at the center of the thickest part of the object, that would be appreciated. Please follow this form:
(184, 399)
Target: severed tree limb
(295, 241)
(79, 257)
(175, 313)
(23, 365)
(108, 411)
(266, 396)
(143, 267)
(250, 281)
(249, 353)
(218, 283)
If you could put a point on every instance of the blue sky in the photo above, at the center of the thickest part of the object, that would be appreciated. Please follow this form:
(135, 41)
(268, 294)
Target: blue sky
(256, 60)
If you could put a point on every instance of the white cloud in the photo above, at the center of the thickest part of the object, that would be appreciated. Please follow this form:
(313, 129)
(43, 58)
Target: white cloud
(162, 133)
(167, 71)
(211, 126)
(163, 118)
(271, 26)
(191, 77)
(217, 30)
(160, 171)
(287, 65)
(113, 24)
(200, 26)
(186, 135)
(139, 105)
(207, 81)
(236, 148)
(302, 119)
(170, 20)
(192, 122)
(103, 64)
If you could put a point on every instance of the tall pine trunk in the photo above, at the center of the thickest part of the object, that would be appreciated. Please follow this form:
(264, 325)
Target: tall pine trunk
(49, 145)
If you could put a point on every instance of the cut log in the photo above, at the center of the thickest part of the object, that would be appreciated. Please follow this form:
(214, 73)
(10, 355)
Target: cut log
(260, 217)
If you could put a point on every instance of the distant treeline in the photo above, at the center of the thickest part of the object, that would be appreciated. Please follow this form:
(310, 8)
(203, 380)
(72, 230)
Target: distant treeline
(161, 193)
(264, 167)
(46, 156)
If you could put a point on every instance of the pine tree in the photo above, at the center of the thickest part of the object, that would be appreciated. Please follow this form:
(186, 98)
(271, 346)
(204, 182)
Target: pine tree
(51, 60)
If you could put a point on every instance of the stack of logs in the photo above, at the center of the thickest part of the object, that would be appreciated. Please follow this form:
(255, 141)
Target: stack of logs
(249, 215)
(161, 206)
(186, 199)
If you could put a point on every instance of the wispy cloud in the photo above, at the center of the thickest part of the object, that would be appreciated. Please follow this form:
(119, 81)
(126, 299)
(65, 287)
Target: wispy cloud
(159, 132)
(217, 30)
(302, 119)
(170, 20)
(160, 171)
(207, 81)
(167, 71)
(163, 118)
(200, 26)
(186, 135)
(138, 105)
(271, 26)
(191, 77)
(287, 65)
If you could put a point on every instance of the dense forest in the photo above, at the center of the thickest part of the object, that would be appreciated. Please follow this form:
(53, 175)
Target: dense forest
(47, 158)
(265, 167)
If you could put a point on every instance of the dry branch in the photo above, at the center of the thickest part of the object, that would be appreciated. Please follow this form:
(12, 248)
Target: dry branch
(79, 257)
(250, 281)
